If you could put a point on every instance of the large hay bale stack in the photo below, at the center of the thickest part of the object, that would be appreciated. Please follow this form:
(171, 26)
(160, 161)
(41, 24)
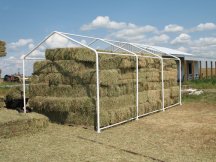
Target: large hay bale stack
(64, 86)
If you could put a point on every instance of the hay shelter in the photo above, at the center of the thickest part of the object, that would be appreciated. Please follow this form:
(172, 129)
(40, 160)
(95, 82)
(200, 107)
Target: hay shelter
(103, 84)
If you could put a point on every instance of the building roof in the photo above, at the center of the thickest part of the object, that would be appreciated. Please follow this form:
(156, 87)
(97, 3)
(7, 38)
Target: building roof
(199, 58)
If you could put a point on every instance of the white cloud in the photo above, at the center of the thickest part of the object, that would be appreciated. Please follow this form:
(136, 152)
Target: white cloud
(205, 41)
(163, 38)
(206, 26)
(31, 46)
(134, 31)
(11, 58)
(173, 28)
(103, 22)
(182, 39)
(208, 51)
(58, 41)
(183, 49)
(20, 43)
(128, 28)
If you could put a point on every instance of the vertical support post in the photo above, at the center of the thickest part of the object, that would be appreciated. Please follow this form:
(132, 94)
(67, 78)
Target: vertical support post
(193, 64)
(24, 88)
(162, 83)
(185, 71)
(98, 94)
(200, 70)
(206, 69)
(215, 68)
(137, 88)
(211, 69)
(180, 78)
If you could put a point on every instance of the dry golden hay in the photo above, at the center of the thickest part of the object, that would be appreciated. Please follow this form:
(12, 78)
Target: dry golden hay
(44, 89)
(65, 87)
(167, 93)
(154, 95)
(110, 103)
(2, 103)
(174, 91)
(118, 62)
(78, 54)
(2, 43)
(62, 66)
(143, 97)
(62, 104)
(144, 108)
(107, 77)
(13, 123)
(169, 63)
(113, 116)
(170, 75)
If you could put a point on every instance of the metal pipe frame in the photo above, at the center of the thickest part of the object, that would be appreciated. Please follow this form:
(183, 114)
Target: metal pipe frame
(162, 71)
(180, 98)
(110, 42)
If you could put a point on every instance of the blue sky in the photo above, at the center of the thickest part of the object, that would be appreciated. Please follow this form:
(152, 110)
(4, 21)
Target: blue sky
(187, 25)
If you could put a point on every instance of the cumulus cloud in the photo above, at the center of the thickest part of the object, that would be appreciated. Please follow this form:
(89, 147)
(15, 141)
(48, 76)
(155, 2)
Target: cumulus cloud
(182, 39)
(183, 49)
(128, 28)
(204, 27)
(206, 41)
(31, 46)
(133, 32)
(173, 28)
(103, 22)
(19, 43)
(58, 41)
(163, 38)
(208, 51)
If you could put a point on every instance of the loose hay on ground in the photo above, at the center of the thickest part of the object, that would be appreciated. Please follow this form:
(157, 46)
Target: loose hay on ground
(13, 123)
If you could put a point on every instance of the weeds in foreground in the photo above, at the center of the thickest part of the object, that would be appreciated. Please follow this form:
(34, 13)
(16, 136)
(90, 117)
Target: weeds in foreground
(206, 97)
(206, 83)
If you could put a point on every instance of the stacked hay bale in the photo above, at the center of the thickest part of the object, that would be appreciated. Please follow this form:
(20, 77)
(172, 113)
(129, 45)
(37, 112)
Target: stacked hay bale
(171, 88)
(64, 86)
(2, 48)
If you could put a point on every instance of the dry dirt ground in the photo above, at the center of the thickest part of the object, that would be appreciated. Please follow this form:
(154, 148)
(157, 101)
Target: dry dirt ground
(186, 133)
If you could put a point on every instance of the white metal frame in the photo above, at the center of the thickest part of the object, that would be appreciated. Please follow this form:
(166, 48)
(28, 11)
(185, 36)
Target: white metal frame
(124, 52)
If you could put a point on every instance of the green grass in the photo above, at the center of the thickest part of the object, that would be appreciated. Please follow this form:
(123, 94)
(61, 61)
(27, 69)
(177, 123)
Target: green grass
(206, 97)
(206, 83)
(6, 86)
(9, 83)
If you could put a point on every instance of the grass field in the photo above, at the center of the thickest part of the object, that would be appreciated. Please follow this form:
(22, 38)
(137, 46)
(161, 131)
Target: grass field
(186, 133)
(205, 83)
(6, 86)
